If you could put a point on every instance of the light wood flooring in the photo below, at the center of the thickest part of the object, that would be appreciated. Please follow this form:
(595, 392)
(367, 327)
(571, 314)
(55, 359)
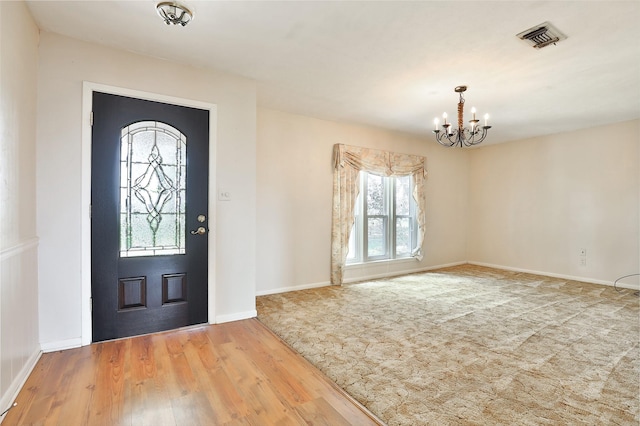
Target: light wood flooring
(237, 373)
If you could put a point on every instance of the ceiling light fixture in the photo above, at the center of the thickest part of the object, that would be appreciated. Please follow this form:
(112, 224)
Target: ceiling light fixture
(462, 136)
(174, 13)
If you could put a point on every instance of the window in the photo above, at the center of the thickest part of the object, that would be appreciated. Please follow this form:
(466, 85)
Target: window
(152, 190)
(398, 227)
(385, 222)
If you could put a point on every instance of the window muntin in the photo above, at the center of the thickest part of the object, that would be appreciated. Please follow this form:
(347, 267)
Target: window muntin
(385, 226)
(152, 190)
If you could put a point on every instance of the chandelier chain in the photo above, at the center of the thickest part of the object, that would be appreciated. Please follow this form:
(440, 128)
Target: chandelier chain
(461, 112)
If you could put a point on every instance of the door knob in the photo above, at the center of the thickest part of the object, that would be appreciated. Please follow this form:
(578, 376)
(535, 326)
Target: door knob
(200, 231)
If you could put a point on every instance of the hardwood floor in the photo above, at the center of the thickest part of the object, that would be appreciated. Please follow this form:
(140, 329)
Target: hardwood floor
(236, 373)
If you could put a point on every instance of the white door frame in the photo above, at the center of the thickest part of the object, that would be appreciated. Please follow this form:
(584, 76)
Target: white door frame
(87, 106)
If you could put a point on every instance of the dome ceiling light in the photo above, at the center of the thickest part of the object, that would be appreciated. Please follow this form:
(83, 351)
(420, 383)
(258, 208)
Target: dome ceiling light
(174, 13)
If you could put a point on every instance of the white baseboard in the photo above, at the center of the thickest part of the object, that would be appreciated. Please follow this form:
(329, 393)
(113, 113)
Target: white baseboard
(354, 280)
(292, 288)
(61, 345)
(554, 275)
(399, 273)
(236, 317)
(430, 268)
(18, 382)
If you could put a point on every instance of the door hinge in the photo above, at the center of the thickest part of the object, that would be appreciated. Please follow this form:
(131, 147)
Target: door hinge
(91, 118)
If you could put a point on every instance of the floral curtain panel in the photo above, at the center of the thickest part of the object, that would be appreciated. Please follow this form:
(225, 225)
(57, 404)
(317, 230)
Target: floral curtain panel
(348, 161)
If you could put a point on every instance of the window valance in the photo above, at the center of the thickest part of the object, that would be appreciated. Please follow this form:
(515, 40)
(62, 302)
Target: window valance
(385, 163)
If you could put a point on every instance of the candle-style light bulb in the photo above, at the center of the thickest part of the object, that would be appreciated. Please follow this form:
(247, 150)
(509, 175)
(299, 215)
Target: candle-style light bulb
(486, 118)
(444, 116)
(435, 123)
(473, 111)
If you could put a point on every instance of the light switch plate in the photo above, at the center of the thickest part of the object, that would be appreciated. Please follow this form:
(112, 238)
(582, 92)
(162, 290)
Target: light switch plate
(224, 195)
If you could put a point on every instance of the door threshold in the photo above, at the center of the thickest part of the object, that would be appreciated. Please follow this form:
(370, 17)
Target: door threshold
(186, 327)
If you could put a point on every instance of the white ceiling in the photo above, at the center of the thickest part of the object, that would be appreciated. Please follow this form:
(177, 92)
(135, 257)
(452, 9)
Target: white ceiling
(395, 64)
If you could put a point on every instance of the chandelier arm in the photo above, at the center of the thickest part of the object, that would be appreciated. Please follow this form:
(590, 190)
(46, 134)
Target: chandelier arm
(473, 141)
(463, 137)
(444, 139)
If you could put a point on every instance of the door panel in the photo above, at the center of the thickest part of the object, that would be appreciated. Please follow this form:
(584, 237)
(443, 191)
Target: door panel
(149, 189)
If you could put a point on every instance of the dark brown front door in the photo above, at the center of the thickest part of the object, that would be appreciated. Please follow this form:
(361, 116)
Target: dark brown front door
(149, 198)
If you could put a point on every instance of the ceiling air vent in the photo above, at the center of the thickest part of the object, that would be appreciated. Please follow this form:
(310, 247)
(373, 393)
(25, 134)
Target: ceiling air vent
(542, 35)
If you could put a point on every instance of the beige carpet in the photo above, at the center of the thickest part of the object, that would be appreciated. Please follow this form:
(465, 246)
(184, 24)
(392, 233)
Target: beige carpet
(472, 346)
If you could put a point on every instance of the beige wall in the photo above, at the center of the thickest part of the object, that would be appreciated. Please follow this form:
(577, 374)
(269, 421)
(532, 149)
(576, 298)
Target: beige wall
(527, 205)
(19, 344)
(535, 203)
(294, 199)
(64, 64)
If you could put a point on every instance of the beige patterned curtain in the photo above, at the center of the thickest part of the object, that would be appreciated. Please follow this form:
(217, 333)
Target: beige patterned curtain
(348, 161)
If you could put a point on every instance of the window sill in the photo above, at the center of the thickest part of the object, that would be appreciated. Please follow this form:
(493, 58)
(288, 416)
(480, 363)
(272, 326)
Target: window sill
(380, 262)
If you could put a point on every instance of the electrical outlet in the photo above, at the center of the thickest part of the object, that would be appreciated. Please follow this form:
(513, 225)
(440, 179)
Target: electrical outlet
(582, 257)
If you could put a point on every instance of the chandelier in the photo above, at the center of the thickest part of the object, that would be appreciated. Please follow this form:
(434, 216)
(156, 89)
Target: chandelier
(174, 13)
(461, 136)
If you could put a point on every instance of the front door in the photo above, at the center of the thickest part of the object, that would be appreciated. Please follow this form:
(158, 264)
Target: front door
(149, 198)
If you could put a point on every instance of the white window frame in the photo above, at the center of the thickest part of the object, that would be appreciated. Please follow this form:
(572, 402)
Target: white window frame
(358, 241)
